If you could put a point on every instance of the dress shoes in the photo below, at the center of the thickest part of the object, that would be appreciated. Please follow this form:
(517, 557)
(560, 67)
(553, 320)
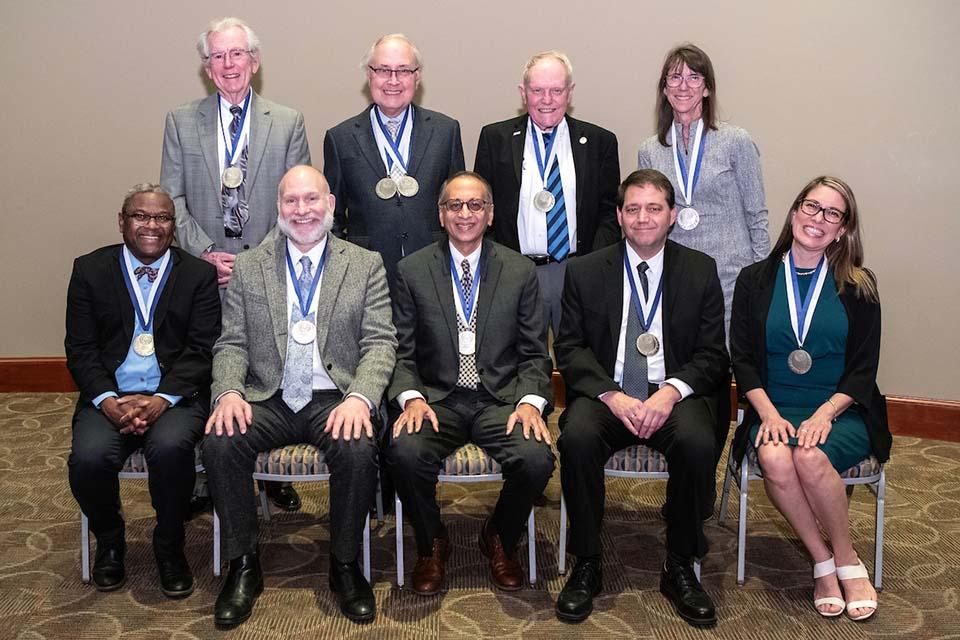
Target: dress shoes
(243, 584)
(283, 495)
(353, 591)
(679, 584)
(176, 580)
(505, 569)
(575, 602)
(429, 572)
(108, 571)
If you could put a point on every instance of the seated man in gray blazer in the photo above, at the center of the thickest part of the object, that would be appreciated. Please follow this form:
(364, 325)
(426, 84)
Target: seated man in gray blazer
(305, 355)
(223, 157)
(472, 365)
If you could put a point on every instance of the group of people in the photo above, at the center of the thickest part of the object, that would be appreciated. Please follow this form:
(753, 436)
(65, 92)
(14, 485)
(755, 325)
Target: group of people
(386, 316)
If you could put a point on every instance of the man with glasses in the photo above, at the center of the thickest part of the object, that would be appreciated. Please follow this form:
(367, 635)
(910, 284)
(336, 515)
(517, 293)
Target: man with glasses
(142, 318)
(472, 365)
(386, 164)
(223, 157)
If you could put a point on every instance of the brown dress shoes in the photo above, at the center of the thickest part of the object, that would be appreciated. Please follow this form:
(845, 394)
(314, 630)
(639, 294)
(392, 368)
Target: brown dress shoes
(505, 569)
(429, 572)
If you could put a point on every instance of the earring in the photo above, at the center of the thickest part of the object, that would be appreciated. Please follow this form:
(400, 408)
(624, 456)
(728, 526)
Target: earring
(837, 240)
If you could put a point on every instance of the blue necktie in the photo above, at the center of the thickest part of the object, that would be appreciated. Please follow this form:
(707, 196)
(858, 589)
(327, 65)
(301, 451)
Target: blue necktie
(558, 236)
(298, 367)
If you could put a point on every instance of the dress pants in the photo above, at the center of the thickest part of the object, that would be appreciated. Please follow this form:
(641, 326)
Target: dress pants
(230, 463)
(590, 434)
(97, 455)
(415, 459)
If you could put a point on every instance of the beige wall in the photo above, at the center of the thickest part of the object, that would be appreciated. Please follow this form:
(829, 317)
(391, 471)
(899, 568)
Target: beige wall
(865, 90)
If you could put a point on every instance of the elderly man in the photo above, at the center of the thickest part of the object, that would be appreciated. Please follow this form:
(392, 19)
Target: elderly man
(472, 365)
(305, 355)
(642, 351)
(554, 178)
(223, 156)
(142, 318)
(385, 165)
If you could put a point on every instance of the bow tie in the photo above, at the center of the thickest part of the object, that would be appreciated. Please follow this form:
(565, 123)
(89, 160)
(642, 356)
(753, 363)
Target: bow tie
(150, 272)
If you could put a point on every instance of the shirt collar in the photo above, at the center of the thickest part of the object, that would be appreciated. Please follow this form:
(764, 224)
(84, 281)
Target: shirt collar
(655, 263)
(314, 254)
(225, 105)
(473, 258)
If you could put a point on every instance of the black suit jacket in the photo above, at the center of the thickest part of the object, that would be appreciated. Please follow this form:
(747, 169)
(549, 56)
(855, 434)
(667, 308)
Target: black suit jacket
(352, 165)
(100, 319)
(596, 161)
(512, 357)
(692, 308)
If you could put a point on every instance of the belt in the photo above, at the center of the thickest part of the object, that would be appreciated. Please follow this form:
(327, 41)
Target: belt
(542, 259)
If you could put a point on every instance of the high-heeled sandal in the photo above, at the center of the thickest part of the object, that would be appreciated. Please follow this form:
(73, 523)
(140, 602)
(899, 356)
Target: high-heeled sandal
(852, 572)
(820, 570)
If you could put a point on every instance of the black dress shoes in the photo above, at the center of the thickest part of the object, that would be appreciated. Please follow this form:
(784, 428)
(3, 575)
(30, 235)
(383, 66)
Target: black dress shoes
(353, 591)
(243, 584)
(283, 495)
(108, 571)
(575, 602)
(176, 581)
(679, 584)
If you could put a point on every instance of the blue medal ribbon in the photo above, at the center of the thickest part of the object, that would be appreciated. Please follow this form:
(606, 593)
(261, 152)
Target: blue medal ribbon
(466, 305)
(146, 323)
(683, 167)
(305, 307)
(644, 322)
(541, 161)
(231, 149)
(394, 144)
(805, 306)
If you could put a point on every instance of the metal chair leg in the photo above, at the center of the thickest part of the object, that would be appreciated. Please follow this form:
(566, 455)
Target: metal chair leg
(532, 547)
(366, 548)
(84, 548)
(216, 544)
(398, 511)
(562, 559)
(742, 527)
(878, 551)
(264, 502)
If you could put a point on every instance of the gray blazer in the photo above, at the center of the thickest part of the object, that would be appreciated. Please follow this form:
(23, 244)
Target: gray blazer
(190, 170)
(355, 333)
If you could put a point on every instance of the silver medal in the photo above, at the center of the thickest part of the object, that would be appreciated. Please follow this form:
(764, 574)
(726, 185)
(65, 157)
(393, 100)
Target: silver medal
(408, 186)
(799, 361)
(304, 332)
(467, 342)
(232, 177)
(544, 201)
(143, 345)
(688, 218)
(386, 188)
(648, 344)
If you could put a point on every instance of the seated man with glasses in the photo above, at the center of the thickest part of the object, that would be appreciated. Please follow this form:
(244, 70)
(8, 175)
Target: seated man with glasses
(472, 365)
(142, 318)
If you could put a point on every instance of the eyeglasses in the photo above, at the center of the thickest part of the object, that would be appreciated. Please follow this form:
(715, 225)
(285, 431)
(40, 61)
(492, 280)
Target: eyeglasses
(831, 215)
(145, 218)
(385, 73)
(694, 80)
(235, 55)
(474, 206)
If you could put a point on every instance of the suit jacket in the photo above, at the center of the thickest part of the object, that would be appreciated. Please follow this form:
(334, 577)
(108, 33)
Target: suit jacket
(748, 345)
(191, 166)
(512, 357)
(353, 166)
(692, 308)
(101, 316)
(597, 165)
(355, 334)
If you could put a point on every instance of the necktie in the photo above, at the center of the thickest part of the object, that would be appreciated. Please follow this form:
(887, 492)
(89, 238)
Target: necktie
(634, 362)
(298, 368)
(235, 211)
(393, 126)
(150, 272)
(558, 236)
(467, 376)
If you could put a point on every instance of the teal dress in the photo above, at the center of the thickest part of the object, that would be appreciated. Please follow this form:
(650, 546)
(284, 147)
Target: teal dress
(797, 396)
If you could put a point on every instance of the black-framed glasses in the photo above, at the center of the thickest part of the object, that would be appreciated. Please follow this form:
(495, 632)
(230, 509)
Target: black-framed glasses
(145, 218)
(475, 205)
(385, 73)
(235, 55)
(831, 215)
(694, 80)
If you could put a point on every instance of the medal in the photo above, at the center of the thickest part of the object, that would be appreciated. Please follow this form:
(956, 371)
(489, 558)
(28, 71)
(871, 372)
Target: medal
(544, 201)
(688, 218)
(467, 342)
(799, 361)
(232, 177)
(143, 345)
(386, 188)
(304, 332)
(648, 344)
(408, 186)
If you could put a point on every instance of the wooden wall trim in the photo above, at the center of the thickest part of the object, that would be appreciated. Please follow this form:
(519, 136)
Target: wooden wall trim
(918, 417)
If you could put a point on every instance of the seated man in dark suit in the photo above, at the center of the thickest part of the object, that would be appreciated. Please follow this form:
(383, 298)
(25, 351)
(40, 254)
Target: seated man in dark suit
(642, 351)
(472, 365)
(142, 318)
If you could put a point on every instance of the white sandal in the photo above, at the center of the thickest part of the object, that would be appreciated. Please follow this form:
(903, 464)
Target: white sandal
(820, 570)
(852, 572)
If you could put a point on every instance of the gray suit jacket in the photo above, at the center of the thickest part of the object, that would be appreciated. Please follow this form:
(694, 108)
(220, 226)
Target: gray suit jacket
(512, 357)
(191, 166)
(355, 334)
(352, 165)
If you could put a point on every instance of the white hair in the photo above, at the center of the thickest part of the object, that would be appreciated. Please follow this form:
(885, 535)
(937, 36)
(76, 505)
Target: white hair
(387, 38)
(225, 24)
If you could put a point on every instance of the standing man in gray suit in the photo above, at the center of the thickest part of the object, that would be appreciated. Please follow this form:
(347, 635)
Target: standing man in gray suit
(386, 164)
(305, 354)
(223, 156)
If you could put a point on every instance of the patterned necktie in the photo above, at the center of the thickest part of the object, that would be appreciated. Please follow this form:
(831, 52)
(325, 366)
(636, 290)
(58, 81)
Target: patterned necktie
(298, 368)
(393, 126)
(635, 363)
(467, 376)
(234, 201)
(150, 272)
(558, 236)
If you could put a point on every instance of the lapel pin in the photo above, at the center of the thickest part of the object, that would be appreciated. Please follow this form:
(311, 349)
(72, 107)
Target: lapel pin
(516, 133)
(583, 139)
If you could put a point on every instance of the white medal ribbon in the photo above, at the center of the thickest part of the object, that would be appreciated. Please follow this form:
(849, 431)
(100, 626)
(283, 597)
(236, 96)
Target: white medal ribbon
(230, 156)
(540, 150)
(146, 305)
(686, 190)
(395, 164)
(791, 298)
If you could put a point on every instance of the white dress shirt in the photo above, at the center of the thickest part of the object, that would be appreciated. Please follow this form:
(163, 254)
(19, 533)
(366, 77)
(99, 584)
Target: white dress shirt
(531, 222)
(223, 131)
(382, 142)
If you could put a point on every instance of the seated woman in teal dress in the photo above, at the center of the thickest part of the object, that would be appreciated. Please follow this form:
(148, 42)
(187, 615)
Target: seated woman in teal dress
(805, 342)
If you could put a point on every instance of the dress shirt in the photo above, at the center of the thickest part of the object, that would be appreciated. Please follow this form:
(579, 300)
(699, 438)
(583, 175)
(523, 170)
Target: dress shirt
(223, 130)
(382, 142)
(532, 223)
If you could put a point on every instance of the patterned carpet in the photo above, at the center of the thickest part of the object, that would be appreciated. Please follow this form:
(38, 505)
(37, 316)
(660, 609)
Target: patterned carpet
(41, 595)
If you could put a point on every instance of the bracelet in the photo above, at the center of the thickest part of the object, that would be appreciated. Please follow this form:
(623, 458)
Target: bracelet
(836, 412)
